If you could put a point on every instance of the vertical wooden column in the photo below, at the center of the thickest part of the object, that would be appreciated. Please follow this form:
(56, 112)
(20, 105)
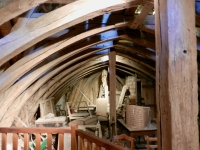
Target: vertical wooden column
(176, 75)
(112, 84)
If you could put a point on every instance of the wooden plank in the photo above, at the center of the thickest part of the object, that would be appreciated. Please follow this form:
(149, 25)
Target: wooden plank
(121, 60)
(142, 42)
(60, 1)
(69, 83)
(24, 19)
(141, 51)
(61, 141)
(89, 145)
(148, 6)
(35, 130)
(56, 21)
(15, 141)
(59, 92)
(82, 147)
(98, 147)
(4, 141)
(23, 85)
(28, 62)
(148, 28)
(176, 52)
(26, 141)
(112, 83)
(63, 81)
(13, 108)
(5, 28)
(150, 65)
(18, 7)
(130, 11)
(49, 142)
(37, 147)
(74, 137)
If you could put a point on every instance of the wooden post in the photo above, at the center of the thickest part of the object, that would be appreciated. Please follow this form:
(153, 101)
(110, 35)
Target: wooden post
(112, 86)
(176, 75)
(74, 138)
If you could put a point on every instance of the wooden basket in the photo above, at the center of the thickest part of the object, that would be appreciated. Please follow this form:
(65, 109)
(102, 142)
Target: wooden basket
(137, 116)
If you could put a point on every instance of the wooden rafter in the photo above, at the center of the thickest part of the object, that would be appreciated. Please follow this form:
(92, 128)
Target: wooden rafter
(148, 6)
(56, 21)
(28, 62)
(18, 7)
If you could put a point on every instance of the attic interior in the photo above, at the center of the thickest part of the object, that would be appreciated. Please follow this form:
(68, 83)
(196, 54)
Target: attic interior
(61, 58)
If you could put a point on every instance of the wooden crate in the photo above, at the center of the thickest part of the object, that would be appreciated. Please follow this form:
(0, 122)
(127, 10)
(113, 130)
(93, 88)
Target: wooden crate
(137, 116)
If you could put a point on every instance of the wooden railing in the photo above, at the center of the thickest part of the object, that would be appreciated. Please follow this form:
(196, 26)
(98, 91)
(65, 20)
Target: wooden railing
(151, 139)
(37, 132)
(94, 142)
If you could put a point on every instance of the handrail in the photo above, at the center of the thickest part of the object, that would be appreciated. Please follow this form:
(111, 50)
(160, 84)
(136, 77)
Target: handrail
(151, 139)
(98, 142)
(37, 131)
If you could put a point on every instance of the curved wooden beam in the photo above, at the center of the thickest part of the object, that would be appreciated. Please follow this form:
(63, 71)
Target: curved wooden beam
(58, 94)
(25, 80)
(139, 61)
(13, 73)
(73, 74)
(79, 75)
(141, 51)
(129, 70)
(148, 6)
(17, 7)
(55, 21)
(142, 42)
(119, 59)
(20, 86)
(9, 104)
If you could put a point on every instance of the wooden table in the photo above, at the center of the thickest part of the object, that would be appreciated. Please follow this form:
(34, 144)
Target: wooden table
(139, 132)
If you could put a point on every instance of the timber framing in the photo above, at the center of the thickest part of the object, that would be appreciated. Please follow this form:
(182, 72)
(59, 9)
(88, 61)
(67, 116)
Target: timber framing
(49, 47)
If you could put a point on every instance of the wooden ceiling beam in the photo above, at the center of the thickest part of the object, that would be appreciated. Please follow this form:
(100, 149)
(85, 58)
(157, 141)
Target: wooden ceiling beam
(130, 11)
(18, 88)
(76, 78)
(140, 61)
(18, 69)
(24, 19)
(16, 8)
(148, 6)
(143, 42)
(119, 59)
(65, 83)
(141, 51)
(60, 1)
(56, 21)
(5, 28)
(27, 94)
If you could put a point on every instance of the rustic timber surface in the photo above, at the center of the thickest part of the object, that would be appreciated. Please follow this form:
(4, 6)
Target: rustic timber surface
(37, 132)
(177, 98)
(139, 132)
